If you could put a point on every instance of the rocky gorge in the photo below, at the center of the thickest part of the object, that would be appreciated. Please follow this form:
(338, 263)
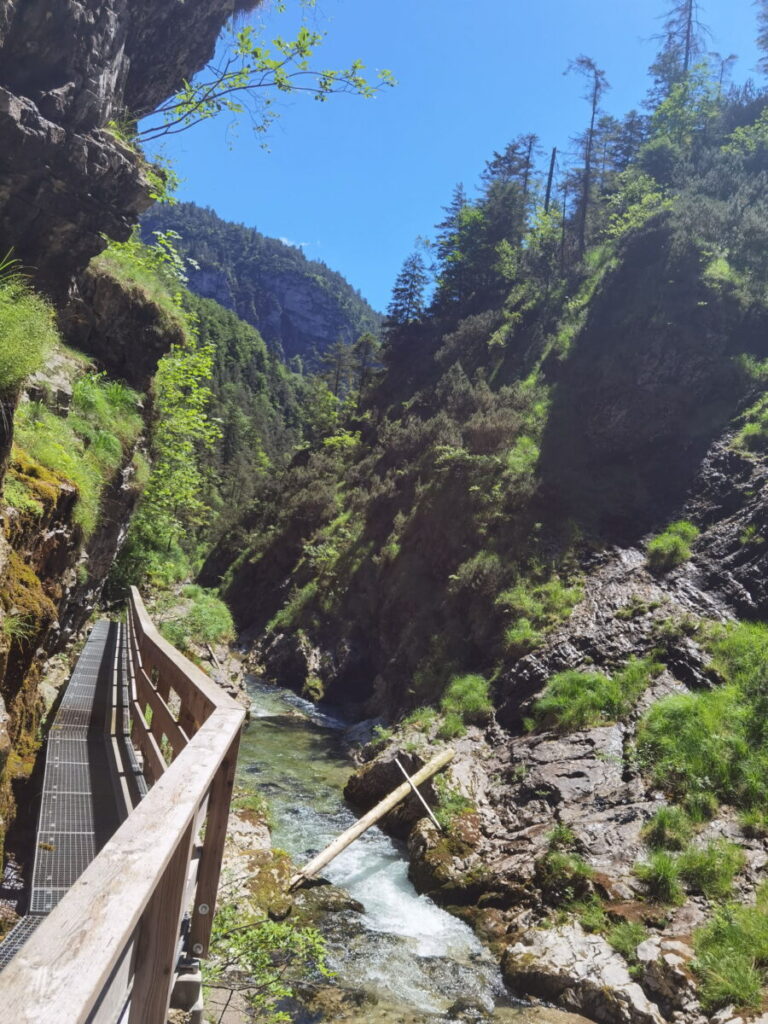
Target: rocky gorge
(531, 523)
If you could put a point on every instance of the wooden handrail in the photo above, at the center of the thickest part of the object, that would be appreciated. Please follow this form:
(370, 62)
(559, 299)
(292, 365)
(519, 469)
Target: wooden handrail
(109, 950)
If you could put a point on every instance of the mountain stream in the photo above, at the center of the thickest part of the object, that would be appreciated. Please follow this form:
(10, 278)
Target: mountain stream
(415, 962)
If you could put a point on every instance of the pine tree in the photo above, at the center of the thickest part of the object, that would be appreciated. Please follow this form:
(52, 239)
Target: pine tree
(336, 363)
(597, 85)
(683, 41)
(445, 242)
(407, 304)
(506, 183)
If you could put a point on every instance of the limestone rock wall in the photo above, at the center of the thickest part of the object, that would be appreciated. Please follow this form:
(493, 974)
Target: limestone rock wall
(66, 68)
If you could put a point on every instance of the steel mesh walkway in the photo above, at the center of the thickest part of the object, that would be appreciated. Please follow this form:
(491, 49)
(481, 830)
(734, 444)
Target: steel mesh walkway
(80, 806)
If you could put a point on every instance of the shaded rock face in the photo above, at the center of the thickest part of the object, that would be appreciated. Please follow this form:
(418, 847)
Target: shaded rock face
(624, 440)
(124, 330)
(65, 71)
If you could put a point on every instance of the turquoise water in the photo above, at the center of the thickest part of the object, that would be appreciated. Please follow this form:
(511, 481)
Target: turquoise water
(402, 948)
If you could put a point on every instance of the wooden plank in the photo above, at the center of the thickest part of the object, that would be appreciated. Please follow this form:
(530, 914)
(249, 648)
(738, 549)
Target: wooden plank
(165, 655)
(374, 815)
(162, 719)
(154, 762)
(115, 993)
(213, 852)
(156, 949)
(73, 952)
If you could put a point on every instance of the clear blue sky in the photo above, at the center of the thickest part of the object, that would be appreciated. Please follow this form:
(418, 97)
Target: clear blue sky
(357, 181)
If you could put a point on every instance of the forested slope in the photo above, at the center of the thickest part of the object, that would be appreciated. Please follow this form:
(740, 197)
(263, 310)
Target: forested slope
(300, 306)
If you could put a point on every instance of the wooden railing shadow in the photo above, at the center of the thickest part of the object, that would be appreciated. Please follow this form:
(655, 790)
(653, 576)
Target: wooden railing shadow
(111, 949)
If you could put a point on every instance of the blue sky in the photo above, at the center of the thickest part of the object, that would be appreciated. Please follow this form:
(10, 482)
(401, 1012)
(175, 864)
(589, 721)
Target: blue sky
(357, 181)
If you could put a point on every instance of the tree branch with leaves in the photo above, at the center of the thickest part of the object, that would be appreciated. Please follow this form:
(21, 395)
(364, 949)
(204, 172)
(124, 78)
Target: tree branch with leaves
(249, 76)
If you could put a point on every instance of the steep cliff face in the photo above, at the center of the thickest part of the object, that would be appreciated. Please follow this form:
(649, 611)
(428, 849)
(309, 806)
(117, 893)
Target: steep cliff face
(65, 71)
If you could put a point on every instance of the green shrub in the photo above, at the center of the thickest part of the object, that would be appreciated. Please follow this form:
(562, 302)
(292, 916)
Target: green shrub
(625, 937)
(451, 727)
(465, 701)
(537, 607)
(672, 547)
(701, 806)
(695, 744)
(450, 803)
(522, 638)
(27, 329)
(711, 869)
(740, 653)
(661, 874)
(89, 445)
(669, 829)
(732, 956)
(577, 700)
(755, 823)
(564, 875)
(580, 700)
(561, 837)
(18, 497)
(421, 719)
(591, 915)
(206, 620)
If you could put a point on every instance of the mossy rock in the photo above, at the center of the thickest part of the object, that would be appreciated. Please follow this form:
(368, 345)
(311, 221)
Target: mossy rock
(43, 485)
(23, 595)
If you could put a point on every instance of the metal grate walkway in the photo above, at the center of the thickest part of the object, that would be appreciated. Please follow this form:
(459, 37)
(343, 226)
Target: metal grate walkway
(81, 805)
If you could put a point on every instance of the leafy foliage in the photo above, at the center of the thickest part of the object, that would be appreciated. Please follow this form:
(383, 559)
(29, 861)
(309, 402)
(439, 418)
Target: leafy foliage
(27, 328)
(262, 959)
(248, 79)
(205, 620)
(88, 446)
(579, 700)
(672, 547)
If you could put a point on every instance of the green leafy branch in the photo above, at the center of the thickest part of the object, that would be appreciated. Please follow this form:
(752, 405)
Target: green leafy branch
(240, 83)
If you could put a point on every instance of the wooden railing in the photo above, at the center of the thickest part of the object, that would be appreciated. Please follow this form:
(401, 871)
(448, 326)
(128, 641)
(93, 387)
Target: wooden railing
(109, 951)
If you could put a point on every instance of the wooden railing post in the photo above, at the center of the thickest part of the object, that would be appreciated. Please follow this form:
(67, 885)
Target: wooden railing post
(213, 852)
(158, 940)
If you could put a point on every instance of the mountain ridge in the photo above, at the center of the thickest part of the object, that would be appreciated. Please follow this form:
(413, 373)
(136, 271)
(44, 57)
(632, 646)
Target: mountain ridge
(299, 306)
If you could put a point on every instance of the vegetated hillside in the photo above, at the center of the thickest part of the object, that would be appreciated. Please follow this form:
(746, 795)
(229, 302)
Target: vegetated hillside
(299, 306)
(464, 557)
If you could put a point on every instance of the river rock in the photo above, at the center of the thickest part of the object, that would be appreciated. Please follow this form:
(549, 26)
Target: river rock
(578, 972)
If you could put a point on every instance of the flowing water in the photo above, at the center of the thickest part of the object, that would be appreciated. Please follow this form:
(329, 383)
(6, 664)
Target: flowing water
(402, 949)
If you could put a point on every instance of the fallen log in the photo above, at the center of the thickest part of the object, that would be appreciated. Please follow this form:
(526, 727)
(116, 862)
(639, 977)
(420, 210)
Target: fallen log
(375, 814)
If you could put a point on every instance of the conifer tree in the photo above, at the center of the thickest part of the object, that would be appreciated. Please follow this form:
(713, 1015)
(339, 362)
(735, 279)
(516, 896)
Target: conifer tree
(336, 363)
(366, 352)
(682, 42)
(448, 227)
(597, 85)
(407, 304)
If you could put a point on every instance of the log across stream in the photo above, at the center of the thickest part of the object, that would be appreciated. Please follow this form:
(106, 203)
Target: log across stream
(414, 958)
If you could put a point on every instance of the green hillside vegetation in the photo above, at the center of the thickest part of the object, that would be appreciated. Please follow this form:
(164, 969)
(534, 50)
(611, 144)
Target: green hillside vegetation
(435, 524)
(87, 447)
(27, 328)
(253, 275)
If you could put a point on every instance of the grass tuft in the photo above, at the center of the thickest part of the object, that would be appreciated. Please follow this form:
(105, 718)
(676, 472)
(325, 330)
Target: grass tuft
(672, 547)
